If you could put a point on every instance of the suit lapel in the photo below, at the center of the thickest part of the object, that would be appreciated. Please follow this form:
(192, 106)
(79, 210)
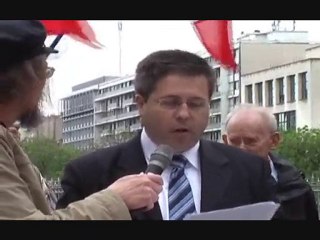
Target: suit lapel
(215, 176)
(132, 161)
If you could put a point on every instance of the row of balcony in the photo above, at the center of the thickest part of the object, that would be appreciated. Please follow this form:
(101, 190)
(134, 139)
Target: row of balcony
(137, 126)
(117, 117)
(82, 116)
(99, 108)
(80, 139)
(132, 128)
(76, 128)
(79, 110)
(118, 92)
(212, 126)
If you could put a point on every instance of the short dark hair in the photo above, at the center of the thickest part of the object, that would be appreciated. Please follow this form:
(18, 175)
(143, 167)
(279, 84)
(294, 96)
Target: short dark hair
(160, 64)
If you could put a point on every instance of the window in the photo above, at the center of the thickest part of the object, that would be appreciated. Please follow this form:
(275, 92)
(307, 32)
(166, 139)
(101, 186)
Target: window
(216, 135)
(249, 94)
(303, 91)
(259, 94)
(286, 120)
(215, 105)
(214, 122)
(232, 103)
(231, 88)
(290, 88)
(280, 91)
(236, 85)
(216, 72)
(215, 119)
(269, 93)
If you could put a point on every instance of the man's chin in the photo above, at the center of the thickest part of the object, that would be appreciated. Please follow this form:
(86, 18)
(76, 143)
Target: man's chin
(31, 119)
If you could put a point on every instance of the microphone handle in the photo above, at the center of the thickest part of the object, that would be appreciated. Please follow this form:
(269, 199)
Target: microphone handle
(152, 168)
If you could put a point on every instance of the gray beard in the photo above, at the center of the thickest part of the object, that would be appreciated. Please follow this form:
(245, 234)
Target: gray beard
(31, 119)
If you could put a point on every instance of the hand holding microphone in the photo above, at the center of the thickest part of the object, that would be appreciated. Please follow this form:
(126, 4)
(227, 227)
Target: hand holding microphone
(140, 191)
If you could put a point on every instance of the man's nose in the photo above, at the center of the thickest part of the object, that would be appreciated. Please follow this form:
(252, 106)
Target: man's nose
(183, 112)
(242, 146)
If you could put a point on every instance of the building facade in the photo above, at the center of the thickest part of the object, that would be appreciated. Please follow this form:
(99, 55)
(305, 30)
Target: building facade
(116, 113)
(225, 96)
(289, 90)
(51, 127)
(77, 112)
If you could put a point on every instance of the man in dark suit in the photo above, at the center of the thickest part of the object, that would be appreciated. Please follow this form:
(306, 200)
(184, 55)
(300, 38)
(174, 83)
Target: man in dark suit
(254, 129)
(173, 92)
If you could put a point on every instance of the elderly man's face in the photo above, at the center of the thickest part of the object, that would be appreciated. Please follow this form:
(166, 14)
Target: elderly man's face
(250, 132)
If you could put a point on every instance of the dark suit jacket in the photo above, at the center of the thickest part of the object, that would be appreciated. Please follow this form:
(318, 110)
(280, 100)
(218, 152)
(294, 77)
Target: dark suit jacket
(294, 193)
(229, 176)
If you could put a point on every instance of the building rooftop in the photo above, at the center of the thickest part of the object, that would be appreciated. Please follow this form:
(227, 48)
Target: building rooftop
(92, 82)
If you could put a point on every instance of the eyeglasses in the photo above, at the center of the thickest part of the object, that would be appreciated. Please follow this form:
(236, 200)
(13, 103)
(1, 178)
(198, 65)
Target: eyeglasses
(49, 72)
(174, 103)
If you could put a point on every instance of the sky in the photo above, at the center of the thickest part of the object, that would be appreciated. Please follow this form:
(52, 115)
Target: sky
(77, 63)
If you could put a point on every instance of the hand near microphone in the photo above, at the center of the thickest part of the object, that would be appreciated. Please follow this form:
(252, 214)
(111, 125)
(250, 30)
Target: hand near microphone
(139, 190)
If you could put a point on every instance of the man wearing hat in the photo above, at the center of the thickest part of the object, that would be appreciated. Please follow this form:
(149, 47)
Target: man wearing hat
(23, 75)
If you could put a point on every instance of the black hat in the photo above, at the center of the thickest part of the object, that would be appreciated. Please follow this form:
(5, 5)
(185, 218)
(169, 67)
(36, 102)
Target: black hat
(21, 40)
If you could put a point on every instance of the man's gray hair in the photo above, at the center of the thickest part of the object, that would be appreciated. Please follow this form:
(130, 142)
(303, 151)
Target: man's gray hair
(264, 112)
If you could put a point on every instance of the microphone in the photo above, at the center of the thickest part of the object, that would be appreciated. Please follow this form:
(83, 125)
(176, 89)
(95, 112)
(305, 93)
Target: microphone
(160, 159)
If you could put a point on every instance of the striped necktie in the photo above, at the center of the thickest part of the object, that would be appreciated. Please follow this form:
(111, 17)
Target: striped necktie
(180, 194)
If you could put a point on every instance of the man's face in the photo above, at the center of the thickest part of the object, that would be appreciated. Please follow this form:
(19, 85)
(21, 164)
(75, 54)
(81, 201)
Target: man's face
(250, 132)
(177, 112)
(32, 117)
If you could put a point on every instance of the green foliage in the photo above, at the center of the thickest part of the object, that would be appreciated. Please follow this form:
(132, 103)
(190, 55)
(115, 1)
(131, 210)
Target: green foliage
(302, 147)
(49, 156)
(114, 139)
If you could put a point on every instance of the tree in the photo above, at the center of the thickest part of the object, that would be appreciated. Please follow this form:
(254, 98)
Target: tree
(114, 139)
(302, 147)
(48, 155)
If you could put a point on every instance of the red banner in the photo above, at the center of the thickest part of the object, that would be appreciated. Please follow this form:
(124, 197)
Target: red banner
(216, 36)
(77, 29)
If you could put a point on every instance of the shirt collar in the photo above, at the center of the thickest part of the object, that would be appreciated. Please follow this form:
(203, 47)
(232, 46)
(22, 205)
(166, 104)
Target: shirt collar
(148, 147)
(274, 173)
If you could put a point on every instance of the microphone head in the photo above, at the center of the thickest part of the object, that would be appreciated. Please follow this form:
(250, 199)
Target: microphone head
(160, 159)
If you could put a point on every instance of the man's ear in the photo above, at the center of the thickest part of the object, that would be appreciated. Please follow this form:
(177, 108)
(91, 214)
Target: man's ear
(140, 103)
(276, 140)
(225, 138)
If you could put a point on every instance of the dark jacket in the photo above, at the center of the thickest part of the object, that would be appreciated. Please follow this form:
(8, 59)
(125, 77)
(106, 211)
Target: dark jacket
(294, 193)
(229, 176)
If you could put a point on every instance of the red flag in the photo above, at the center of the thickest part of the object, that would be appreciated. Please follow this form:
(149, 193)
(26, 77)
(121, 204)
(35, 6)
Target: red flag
(79, 30)
(216, 36)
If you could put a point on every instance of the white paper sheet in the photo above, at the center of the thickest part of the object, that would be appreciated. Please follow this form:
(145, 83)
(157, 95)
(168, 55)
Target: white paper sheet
(257, 211)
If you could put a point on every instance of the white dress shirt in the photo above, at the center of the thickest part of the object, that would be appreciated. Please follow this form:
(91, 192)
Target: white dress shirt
(274, 173)
(192, 172)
